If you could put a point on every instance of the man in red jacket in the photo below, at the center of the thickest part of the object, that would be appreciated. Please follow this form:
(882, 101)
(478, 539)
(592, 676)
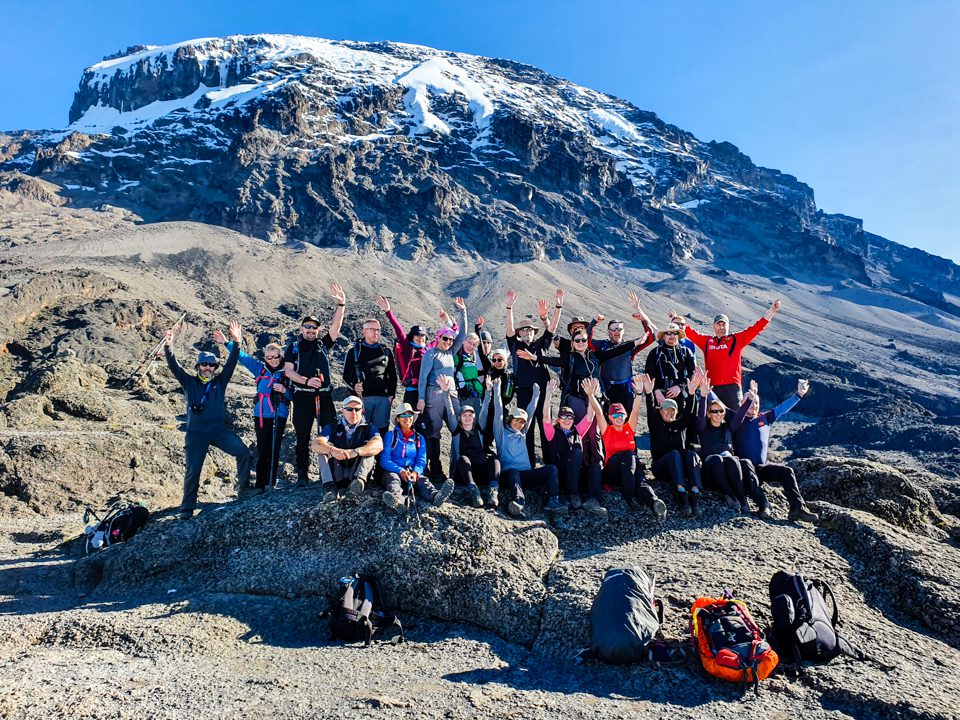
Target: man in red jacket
(722, 352)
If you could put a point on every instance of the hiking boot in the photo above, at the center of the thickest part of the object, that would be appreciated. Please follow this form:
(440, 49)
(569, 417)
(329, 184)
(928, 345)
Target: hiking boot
(803, 513)
(443, 494)
(575, 502)
(660, 509)
(732, 502)
(744, 507)
(303, 481)
(515, 509)
(473, 492)
(683, 506)
(330, 493)
(185, 514)
(594, 507)
(493, 497)
(392, 500)
(356, 487)
(555, 506)
(695, 505)
(764, 513)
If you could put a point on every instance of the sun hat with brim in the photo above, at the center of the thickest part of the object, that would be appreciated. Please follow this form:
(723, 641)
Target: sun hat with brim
(671, 327)
(526, 324)
(517, 413)
(577, 320)
(207, 358)
(501, 352)
(404, 408)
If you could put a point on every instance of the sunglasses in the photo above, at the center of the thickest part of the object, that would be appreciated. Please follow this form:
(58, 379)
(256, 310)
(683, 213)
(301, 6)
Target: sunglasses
(445, 338)
(565, 417)
(405, 415)
(271, 357)
(718, 411)
(353, 410)
(206, 364)
(672, 332)
(618, 415)
(615, 328)
(498, 360)
(579, 340)
(310, 327)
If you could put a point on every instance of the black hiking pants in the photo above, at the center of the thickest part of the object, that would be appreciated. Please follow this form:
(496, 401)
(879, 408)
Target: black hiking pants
(723, 473)
(516, 480)
(196, 445)
(776, 473)
(268, 448)
(486, 473)
(623, 469)
(309, 409)
(524, 396)
(680, 469)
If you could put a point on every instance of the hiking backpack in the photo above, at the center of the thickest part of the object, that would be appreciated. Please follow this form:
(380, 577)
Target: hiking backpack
(121, 523)
(730, 644)
(625, 617)
(803, 627)
(360, 613)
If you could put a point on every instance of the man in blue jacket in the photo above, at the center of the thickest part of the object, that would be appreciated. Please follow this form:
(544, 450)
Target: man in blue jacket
(751, 436)
(206, 417)
(403, 460)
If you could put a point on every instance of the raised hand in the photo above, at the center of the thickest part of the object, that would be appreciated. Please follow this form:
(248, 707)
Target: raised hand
(336, 292)
(526, 355)
(459, 303)
(445, 383)
(648, 383)
(444, 316)
(600, 318)
(674, 391)
(658, 396)
(637, 384)
(235, 332)
(803, 387)
(383, 303)
(479, 321)
(558, 297)
(552, 386)
(754, 388)
(358, 389)
(595, 386)
(587, 385)
(542, 308)
(634, 301)
(692, 383)
(775, 305)
(511, 298)
(219, 337)
(488, 382)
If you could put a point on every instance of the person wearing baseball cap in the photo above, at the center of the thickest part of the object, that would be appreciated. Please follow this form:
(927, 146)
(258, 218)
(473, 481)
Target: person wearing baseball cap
(621, 467)
(206, 416)
(307, 367)
(672, 460)
(348, 450)
(722, 352)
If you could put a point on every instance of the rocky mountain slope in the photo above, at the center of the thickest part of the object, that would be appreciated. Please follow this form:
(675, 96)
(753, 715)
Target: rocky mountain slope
(415, 151)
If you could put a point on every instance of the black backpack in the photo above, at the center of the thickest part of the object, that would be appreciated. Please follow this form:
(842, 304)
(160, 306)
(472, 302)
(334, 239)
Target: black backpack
(360, 613)
(625, 618)
(121, 523)
(803, 627)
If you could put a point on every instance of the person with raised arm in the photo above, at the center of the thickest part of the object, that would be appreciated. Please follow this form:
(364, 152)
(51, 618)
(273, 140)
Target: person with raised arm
(528, 374)
(751, 437)
(722, 352)
(616, 371)
(620, 454)
(270, 410)
(369, 370)
(517, 472)
(440, 361)
(672, 460)
(722, 469)
(307, 367)
(670, 365)
(205, 392)
(568, 451)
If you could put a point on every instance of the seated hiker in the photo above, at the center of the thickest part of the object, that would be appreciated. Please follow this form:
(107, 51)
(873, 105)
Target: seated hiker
(348, 451)
(370, 372)
(566, 438)
(271, 409)
(616, 371)
(473, 460)
(206, 416)
(440, 360)
(722, 352)
(751, 436)
(518, 473)
(672, 460)
(620, 460)
(403, 460)
(722, 469)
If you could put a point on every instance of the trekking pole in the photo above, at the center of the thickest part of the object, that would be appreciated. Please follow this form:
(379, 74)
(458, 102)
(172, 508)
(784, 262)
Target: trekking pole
(412, 500)
(273, 452)
(152, 356)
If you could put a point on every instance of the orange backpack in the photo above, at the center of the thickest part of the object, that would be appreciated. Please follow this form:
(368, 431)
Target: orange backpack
(731, 645)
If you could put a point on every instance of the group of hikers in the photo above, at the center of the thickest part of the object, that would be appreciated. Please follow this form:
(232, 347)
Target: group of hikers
(704, 432)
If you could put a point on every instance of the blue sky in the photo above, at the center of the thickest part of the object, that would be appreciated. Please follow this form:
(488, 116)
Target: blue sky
(861, 100)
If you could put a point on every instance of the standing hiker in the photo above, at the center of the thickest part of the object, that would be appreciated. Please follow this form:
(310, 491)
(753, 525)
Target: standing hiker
(370, 372)
(307, 366)
(206, 416)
